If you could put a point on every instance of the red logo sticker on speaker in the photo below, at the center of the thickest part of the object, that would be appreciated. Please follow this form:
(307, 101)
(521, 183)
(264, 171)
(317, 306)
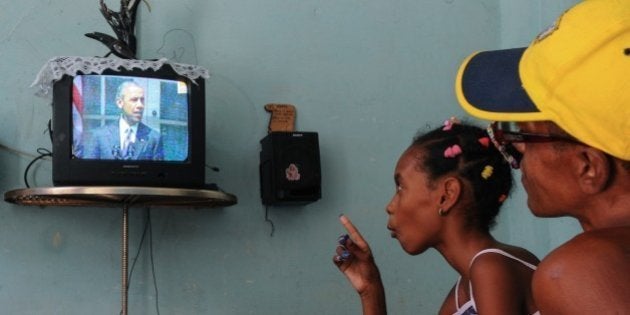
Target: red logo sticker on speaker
(292, 172)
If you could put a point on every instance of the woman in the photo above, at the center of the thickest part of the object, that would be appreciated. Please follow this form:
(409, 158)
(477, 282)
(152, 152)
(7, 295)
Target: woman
(450, 184)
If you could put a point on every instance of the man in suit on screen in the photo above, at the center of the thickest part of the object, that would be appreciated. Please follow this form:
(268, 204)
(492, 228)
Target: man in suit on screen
(127, 138)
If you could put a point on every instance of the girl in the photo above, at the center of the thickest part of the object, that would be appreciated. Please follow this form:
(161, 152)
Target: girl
(450, 184)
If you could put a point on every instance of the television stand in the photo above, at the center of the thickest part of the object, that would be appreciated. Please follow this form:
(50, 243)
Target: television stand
(125, 197)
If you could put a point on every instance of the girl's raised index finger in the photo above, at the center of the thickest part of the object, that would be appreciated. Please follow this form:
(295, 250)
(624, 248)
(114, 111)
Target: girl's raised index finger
(355, 236)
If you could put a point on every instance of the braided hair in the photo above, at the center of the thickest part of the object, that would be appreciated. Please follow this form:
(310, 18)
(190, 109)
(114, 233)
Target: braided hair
(466, 152)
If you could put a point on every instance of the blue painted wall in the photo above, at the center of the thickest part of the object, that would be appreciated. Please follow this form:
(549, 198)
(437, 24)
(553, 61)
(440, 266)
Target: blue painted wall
(365, 74)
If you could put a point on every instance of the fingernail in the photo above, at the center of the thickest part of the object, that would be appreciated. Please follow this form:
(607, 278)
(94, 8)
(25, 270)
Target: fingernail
(343, 218)
(342, 239)
(345, 255)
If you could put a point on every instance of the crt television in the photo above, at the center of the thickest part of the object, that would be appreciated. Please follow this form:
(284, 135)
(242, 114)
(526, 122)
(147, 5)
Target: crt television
(166, 148)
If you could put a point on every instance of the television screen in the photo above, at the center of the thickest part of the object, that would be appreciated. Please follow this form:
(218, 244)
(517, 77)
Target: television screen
(129, 118)
(129, 127)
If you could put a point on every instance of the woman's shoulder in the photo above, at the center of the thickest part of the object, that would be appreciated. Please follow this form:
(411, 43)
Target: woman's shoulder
(596, 260)
(591, 250)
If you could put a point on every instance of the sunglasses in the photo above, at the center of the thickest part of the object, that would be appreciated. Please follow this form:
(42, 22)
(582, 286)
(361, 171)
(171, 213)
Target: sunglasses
(504, 139)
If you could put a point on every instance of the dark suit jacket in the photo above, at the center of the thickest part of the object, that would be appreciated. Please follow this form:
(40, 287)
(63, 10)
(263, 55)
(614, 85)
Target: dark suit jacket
(104, 143)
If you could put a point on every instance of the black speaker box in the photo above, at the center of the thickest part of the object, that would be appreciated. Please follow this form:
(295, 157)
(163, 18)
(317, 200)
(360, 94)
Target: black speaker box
(290, 171)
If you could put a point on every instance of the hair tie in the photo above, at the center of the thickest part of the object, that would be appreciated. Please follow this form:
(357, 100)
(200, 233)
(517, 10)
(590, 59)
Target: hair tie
(448, 124)
(452, 151)
(485, 141)
(487, 172)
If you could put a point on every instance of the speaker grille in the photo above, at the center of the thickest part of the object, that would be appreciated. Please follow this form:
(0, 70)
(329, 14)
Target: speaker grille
(290, 171)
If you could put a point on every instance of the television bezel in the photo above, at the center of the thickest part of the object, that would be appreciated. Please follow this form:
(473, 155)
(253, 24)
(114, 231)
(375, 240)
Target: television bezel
(69, 171)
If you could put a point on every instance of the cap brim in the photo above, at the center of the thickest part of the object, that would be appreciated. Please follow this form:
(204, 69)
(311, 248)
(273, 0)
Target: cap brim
(488, 86)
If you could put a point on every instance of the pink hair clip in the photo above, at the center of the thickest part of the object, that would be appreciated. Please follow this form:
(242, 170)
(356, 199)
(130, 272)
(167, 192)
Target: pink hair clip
(502, 198)
(448, 124)
(484, 141)
(452, 151)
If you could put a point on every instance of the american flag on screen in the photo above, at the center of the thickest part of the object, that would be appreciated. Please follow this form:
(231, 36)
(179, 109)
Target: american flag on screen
(77, 115)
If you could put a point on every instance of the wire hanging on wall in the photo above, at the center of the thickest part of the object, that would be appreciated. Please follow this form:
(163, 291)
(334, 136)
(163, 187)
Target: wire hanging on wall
(273, 228)
(43, 152)
(148, 226)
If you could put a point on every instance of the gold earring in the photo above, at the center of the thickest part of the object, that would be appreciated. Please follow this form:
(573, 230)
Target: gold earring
(441, 212)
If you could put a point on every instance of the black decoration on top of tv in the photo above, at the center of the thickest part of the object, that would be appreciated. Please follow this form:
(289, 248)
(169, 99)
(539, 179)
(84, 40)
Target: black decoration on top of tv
(123, 23)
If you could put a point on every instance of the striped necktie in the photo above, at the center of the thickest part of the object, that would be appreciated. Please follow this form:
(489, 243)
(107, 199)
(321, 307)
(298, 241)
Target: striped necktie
(127, 141)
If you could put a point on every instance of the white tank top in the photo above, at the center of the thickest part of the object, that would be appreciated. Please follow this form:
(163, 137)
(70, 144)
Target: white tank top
(470, 308)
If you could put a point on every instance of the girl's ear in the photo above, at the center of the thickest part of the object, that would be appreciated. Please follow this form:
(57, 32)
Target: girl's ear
(451, 190)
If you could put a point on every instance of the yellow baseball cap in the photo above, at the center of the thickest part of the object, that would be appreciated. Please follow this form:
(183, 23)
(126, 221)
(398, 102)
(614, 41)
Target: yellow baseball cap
(576, 73)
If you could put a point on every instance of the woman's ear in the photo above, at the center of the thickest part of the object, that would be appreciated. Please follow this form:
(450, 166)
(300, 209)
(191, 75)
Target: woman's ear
(594, 170)
(451, 190)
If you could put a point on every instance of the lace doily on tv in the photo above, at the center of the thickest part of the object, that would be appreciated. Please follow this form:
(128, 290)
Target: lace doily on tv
(57, 67)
